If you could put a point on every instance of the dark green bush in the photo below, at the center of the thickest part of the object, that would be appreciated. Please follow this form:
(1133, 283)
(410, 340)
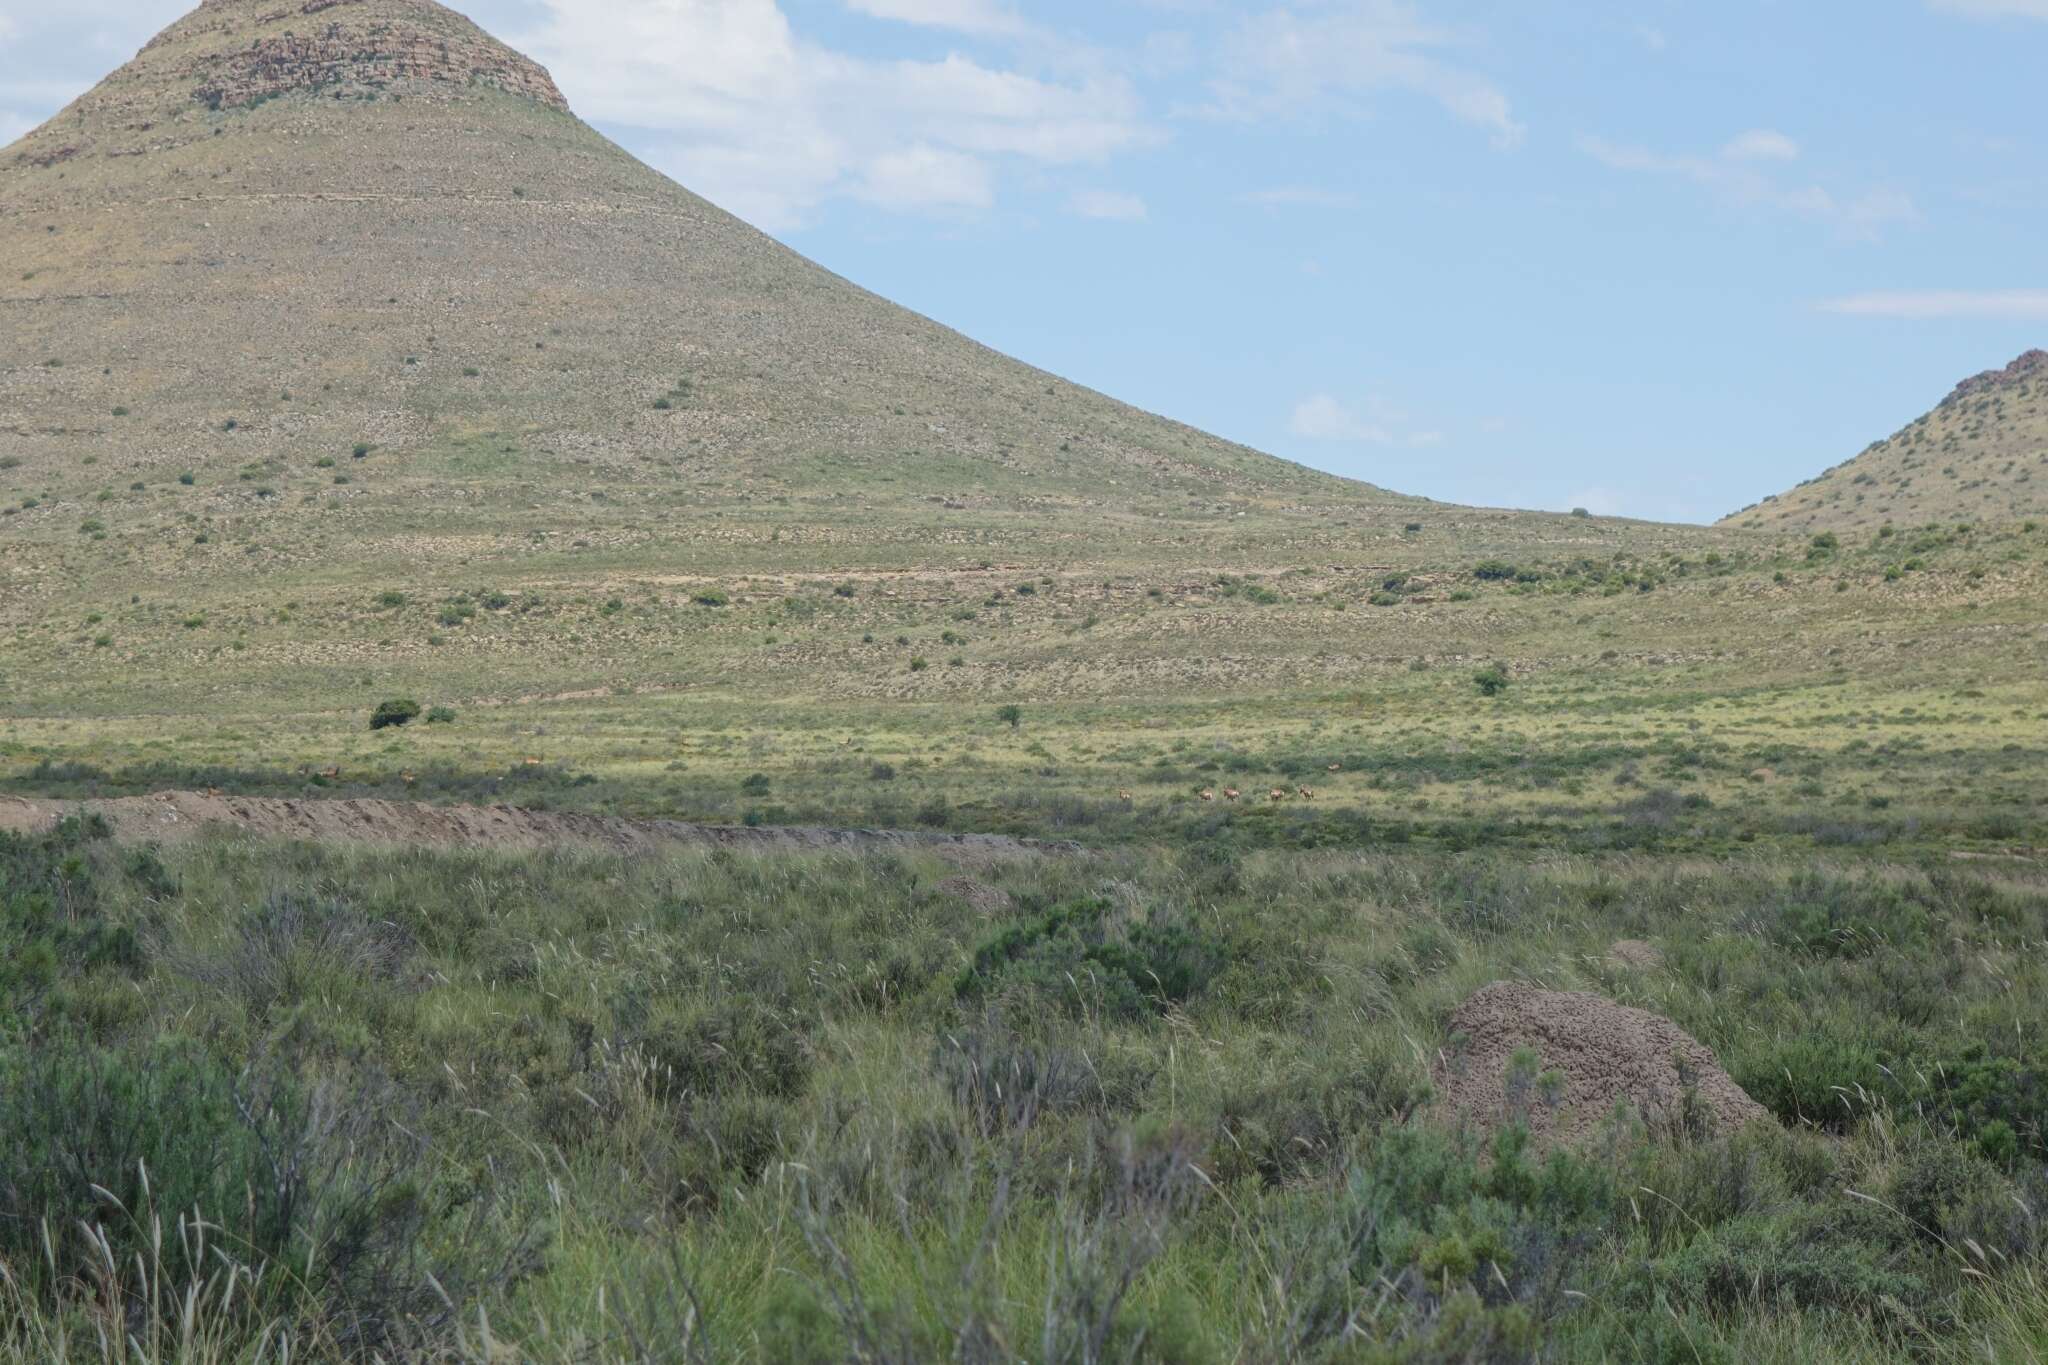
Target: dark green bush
(53, 930)
(1076, 956)
(397, 711)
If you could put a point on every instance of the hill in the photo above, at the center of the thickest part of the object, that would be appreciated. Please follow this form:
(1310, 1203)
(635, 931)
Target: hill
(364, 231)
(1980, 456)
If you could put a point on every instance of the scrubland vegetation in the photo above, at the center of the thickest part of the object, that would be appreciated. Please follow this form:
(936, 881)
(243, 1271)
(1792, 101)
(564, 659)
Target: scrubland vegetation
(271, 1101)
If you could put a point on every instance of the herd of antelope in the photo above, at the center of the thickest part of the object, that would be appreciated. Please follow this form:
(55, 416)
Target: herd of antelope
(1232, 794)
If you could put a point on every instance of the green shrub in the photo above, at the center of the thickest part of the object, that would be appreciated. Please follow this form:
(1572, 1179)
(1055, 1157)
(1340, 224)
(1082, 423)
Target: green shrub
(1491, 680)
(1493, 571)
(440, 715)
(711, 597)
(1813, 1078)
(1076, 957)
(397, 711)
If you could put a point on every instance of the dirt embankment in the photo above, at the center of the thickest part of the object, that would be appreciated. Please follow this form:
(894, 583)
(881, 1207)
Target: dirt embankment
(170, 816)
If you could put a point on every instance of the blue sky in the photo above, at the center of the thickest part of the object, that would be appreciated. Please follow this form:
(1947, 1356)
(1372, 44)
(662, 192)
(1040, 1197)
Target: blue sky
(1653, 258)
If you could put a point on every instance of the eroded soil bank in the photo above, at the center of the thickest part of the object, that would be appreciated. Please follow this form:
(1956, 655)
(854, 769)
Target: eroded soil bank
(168, 816)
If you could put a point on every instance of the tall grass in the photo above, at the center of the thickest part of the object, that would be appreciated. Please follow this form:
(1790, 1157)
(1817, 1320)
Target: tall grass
(270, 1102)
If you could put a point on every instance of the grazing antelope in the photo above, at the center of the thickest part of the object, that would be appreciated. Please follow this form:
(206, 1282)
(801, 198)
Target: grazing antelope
(1125, 797)
(1208, 795)
(213, 792)
(407, 778)
(330, 773)
(1276, 795)
(1231, 793)
(1307, 793)
(533, 763)
(1336, 767)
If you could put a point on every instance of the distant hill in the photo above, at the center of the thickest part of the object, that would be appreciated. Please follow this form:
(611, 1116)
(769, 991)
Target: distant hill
(1981, 456)
(289, 233)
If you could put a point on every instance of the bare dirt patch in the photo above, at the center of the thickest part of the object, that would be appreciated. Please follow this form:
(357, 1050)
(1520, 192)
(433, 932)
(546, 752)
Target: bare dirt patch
(171, 816)
(1606, 1053)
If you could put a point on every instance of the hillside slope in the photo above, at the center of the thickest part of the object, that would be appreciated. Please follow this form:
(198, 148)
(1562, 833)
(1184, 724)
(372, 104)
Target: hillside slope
(1981, 456)
(284, 234)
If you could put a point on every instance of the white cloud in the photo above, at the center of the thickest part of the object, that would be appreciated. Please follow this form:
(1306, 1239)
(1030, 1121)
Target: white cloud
(965, 16)
(925, 177)
(732, 102)
(1298, 196)
(1736, 175)
(1322, 418)
(1996, 9)
(2005, 305)
(1295, 57)
(1762, 144)
(1122, 208)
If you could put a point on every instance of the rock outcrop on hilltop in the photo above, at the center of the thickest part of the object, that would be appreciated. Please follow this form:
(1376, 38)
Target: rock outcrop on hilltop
(2032, 365)
(343, 59)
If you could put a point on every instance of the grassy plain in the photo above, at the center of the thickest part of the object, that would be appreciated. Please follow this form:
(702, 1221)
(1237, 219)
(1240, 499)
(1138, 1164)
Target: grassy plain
(1718, 687)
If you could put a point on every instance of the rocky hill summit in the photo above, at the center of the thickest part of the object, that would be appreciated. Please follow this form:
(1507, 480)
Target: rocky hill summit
(238, 54)
(1980, 456)
(2031, 366)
